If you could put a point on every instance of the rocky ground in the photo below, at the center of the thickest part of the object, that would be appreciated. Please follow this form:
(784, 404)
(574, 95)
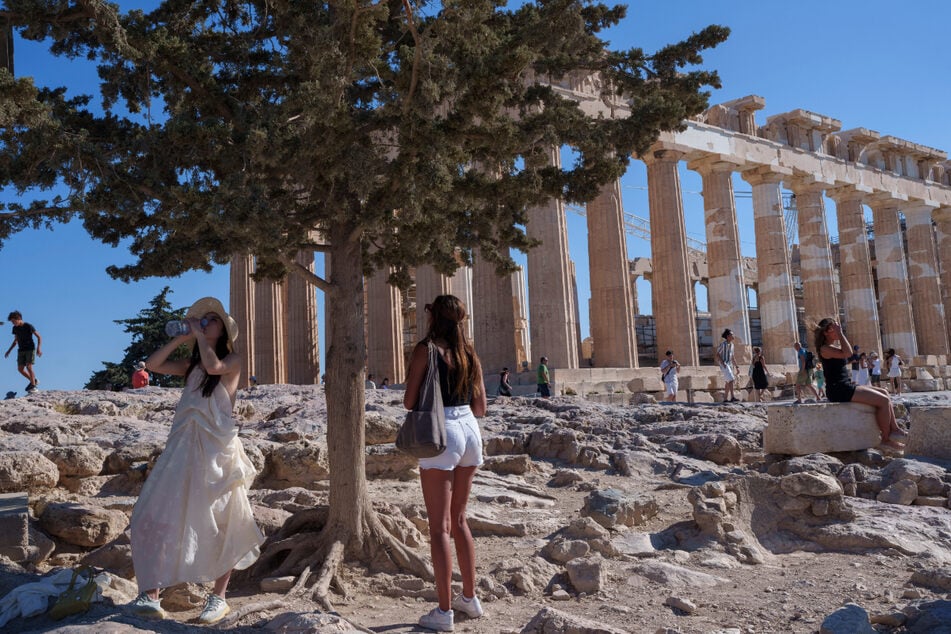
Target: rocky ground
(589, 518)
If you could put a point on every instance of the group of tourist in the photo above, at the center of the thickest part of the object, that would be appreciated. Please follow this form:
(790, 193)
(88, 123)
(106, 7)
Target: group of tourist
(203, 447)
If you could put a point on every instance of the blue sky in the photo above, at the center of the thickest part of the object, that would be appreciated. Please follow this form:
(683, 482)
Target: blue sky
(870, 64)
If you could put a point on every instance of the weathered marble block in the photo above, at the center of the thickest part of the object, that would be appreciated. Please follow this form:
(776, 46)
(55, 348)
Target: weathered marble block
(799, 430)
(930, 433)
(14, 526)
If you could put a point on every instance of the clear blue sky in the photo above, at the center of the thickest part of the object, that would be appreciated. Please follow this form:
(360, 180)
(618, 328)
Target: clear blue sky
(870, 64)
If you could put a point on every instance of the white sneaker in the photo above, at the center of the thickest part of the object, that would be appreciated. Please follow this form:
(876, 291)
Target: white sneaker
(147, 607)
(215, 610)
(470, 607)
(437, 620)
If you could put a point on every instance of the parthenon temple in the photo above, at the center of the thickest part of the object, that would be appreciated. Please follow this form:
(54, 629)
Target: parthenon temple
(889, 280)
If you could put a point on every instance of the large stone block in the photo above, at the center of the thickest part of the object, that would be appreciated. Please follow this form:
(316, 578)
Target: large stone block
(800, 430)
(923, 385)
(930, 432)
(14, 526)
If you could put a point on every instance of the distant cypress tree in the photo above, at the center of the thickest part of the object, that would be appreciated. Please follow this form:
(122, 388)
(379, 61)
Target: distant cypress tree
(148, 335)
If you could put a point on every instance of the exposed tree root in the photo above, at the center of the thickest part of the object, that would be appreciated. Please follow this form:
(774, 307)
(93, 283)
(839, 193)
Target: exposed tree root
(311, 548)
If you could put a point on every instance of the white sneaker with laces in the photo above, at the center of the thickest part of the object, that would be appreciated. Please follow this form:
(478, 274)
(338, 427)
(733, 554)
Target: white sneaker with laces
(147, 607)
(437, 620)
(470, 607)
(215, 610)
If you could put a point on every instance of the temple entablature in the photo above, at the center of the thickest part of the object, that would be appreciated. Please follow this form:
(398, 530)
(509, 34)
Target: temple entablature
(751, 153)
(738, 115)
(801, 129)
(852, 145)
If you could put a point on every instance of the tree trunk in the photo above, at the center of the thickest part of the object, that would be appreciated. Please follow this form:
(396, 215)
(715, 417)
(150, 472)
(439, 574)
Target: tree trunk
(346, 369)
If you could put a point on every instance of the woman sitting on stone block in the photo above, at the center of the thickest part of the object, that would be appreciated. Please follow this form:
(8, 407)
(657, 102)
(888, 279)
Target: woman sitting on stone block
(834, 350)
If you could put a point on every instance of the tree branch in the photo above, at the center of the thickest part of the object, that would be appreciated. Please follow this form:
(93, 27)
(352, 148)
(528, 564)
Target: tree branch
(417, 56)
(307, 274)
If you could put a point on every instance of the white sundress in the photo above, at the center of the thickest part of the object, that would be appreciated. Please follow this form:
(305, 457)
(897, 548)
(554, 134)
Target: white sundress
(192, 521)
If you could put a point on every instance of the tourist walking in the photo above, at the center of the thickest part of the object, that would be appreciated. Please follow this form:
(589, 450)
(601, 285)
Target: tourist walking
(670, 375)
(505, 388)
(876, 370)
(760, 374)
(27, 352)
(863, 377)
(820, 377)
(447, 478)
(894, 363)
(544, 378)
(728, 368)
(834, 350)
(192, 521)
(804, 376)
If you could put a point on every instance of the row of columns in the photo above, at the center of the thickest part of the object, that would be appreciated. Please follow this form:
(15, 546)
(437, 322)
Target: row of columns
(909, 304)
(277, 325)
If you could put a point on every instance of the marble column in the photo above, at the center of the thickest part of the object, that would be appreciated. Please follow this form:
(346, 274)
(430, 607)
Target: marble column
(552, 304)
(384, 329)
(300, 326)
(269, 340)
(675, 315)
(494, 317)
(612, 312)
(775, 297)
(894, 303)
(927, 307)
(815, 256)
(855, 271)
(726, 290)
(241, 300)
(460, 285)
(942, 218)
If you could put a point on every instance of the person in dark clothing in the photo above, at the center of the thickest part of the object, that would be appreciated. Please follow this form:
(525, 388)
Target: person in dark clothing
(27, 352)
(505, 388)
(760, 374)
(834, 349)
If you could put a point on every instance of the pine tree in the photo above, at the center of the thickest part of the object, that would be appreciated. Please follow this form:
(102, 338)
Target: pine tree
(383, 133)
(148, 335)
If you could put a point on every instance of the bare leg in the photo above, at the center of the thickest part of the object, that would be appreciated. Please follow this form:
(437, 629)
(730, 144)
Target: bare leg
(22, 369)
(221, 584)
(437, 494)
(884, 414)
(465, 546)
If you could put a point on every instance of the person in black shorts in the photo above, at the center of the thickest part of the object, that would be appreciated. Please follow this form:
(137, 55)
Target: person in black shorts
(27, 352)
(834, 350)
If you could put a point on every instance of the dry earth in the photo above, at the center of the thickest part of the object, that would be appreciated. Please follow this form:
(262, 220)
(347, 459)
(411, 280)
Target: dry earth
(649, 518)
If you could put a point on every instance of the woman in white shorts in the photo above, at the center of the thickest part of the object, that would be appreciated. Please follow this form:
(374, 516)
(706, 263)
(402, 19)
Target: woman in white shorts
(447, 478)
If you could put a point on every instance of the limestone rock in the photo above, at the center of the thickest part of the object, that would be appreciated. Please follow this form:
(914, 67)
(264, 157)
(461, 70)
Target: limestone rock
(821, 427)
(902, 492)
(386, 461)
(26, 471)
(552, 621)
(811, 484)
(517, 465)
(78, 460)
(611, 508)
(313, 622)
(930, 434)
(587, 574)
(717, 448)
(674, 576)
(82, 524)
(380, 429)
(849, 619)
(679, 603)
(299, 464)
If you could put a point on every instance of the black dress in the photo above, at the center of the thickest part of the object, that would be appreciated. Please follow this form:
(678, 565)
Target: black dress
(760, 380)
(839, 385)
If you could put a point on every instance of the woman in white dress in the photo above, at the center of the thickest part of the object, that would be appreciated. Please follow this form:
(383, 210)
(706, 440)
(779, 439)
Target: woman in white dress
(192, 521)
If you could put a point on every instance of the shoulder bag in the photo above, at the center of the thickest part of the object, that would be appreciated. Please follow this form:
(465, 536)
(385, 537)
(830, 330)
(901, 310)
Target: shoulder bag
(423, 433)
(78, 596)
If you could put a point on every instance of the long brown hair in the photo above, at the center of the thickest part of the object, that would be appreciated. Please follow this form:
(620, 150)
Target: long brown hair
(222, 350)
(447, 315)
(819, 333)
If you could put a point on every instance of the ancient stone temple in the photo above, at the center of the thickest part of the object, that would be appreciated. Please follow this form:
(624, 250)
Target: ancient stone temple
(888, 280)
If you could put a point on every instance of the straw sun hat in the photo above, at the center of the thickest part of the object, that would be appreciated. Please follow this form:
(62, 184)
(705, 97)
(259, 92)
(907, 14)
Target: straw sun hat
(207, 305)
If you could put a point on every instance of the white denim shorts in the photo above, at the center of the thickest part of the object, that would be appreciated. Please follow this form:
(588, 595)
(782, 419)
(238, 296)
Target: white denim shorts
(463, 442)
(727, 372)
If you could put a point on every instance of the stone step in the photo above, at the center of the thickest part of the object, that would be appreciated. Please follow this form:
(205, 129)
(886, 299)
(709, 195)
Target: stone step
(14, 526)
